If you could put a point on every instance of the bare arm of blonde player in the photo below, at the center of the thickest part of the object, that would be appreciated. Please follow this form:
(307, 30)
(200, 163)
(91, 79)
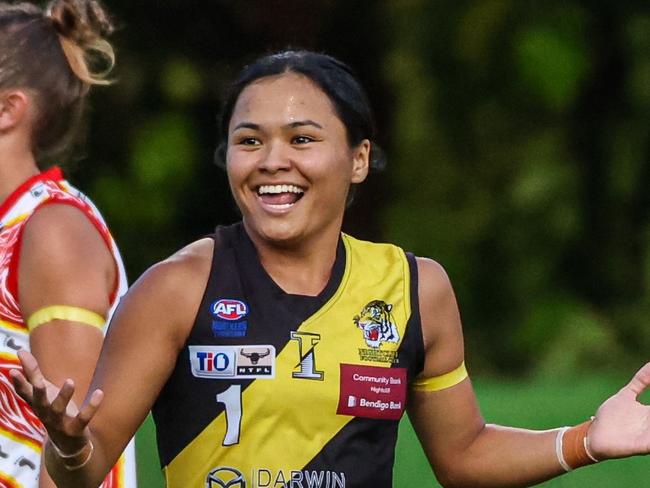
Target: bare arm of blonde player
(64, 261)
(463, 450)
(146, 334)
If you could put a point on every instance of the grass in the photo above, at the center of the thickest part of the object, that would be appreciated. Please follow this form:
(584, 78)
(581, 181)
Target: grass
(540, 404)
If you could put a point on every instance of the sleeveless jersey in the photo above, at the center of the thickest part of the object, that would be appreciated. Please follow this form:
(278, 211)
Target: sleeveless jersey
(280, 390)
(21, 433)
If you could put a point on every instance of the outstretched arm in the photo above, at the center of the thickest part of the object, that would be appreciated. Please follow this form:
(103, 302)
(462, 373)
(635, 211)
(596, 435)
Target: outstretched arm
(64, 262)
(463, 450)
(139, 353)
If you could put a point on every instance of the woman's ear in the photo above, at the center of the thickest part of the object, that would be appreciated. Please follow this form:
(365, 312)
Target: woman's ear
(360, 161)
(14, 106)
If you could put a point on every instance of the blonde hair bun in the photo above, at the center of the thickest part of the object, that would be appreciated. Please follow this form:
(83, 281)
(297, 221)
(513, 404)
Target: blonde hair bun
(82, 26)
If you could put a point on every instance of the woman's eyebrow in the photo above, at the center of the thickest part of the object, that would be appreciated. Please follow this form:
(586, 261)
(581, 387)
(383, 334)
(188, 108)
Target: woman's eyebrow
(301, 123)
(247, 125)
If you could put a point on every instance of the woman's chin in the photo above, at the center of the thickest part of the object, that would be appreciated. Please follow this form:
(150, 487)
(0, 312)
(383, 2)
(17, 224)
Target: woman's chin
(277, 234)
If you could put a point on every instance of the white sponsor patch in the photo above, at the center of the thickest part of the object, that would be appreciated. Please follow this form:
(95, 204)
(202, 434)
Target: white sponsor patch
(233, 362)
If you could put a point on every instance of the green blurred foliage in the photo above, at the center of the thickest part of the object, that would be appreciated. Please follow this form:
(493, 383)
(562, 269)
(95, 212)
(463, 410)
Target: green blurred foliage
(516, 132)
(521, 149)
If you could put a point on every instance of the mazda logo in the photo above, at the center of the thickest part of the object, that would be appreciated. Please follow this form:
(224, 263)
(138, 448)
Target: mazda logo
(224, 477)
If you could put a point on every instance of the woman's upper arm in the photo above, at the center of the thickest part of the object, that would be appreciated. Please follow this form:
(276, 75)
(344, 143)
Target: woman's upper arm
(448, 420)
(65, 261)
(144, 338)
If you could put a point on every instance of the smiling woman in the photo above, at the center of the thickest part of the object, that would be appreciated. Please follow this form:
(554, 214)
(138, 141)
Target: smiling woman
(284, 133)
(282, 352)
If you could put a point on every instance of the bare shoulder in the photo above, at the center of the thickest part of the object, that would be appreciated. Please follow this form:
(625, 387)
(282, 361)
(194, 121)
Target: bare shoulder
(441, 325)
(433, 281)
(62, 231)
(193, 258)
(183, 274)
(53, 217)
(171, 290)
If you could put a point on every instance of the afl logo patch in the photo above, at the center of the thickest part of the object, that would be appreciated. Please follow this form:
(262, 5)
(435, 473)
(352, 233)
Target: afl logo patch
(229, 309)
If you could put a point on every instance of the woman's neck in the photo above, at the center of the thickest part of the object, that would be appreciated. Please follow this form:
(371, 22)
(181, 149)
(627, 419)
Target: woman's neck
(303, 269)
(15, 168)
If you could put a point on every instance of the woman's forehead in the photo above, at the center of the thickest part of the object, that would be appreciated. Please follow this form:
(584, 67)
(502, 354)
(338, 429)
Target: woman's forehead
(283, 98)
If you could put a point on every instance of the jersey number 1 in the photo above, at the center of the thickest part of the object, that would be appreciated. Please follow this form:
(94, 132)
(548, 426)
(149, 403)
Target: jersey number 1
(231, 399)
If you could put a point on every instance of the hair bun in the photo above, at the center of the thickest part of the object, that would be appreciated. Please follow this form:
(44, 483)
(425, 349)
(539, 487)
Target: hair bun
(82, 21)
(82, 26)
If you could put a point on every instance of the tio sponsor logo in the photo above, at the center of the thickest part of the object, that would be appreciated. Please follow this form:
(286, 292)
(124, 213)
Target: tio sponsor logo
(209, 361)
(229, 309)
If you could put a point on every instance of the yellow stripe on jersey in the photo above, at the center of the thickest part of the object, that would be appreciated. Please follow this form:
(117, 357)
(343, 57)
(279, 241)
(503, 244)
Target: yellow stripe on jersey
(441, 382)
(13, 326)
(9, 481)
(118, 472)
(10, 358)
(17, 219)
(65, 312)
(21, 439)
(309, 424)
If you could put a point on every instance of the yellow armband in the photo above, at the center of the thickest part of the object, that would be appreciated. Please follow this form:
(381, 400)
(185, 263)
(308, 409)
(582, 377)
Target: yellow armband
(441, 382)
(65, 312)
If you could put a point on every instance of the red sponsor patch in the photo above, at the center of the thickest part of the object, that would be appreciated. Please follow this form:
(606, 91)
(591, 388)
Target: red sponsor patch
(372, 392)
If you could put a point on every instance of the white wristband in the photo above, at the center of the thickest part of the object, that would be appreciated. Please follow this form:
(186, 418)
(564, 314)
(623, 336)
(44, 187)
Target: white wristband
(558, 449)
(588, 451)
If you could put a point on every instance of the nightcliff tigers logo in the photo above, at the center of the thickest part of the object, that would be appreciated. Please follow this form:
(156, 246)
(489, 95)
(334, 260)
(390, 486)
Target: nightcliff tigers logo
(377, 324)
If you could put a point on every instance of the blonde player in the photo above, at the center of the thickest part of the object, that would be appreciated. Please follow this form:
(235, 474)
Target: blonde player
(60, 271)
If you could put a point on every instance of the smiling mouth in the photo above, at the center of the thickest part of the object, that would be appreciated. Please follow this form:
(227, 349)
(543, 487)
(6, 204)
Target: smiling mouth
(280, 196)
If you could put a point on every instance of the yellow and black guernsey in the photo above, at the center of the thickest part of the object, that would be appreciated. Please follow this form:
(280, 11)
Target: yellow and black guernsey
(280, 390)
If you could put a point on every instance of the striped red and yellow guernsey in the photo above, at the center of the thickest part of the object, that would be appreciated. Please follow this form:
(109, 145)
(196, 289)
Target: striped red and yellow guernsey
(21, 433)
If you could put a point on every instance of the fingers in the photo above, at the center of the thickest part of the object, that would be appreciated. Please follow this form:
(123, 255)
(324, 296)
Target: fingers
(89, 409)
(21, 385)
(32, 387)
(31, 371)
(640, 381)
(60, 403)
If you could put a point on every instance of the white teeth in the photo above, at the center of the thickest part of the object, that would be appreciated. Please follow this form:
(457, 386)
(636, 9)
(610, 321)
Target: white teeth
(264, 189)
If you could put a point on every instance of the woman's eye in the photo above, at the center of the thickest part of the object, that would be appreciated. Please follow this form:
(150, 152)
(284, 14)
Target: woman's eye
(249, 141)
(301, 140)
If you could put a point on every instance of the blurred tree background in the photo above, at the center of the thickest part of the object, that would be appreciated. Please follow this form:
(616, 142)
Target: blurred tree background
(517, 134)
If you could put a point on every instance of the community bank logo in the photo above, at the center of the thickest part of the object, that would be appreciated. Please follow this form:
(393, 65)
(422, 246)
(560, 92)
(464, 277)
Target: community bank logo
(225, 477)
(233, 362)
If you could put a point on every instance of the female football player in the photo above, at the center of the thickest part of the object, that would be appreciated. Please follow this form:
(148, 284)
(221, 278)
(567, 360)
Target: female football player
(281, 352)
(60, 271)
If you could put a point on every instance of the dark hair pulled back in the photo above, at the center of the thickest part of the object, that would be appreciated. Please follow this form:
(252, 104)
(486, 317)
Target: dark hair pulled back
(55, 54)
(333, 77)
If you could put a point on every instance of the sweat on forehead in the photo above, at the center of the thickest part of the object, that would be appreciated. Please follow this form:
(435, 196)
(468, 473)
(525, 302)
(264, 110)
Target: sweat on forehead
(285, 98)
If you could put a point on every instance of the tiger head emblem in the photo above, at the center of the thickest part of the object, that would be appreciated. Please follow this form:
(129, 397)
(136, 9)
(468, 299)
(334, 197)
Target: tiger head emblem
(377, 323)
